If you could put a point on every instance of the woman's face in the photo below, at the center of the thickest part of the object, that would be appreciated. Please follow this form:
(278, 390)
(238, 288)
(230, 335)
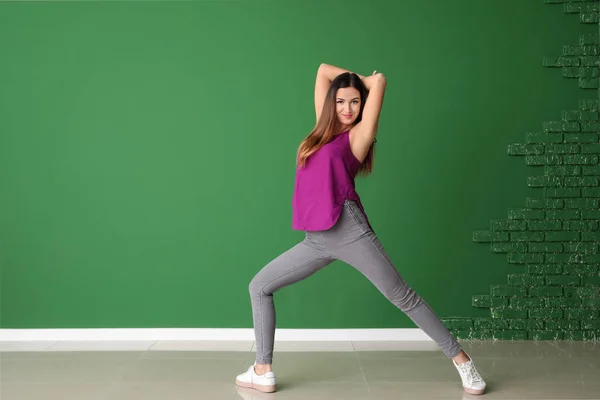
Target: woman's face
(347, 105)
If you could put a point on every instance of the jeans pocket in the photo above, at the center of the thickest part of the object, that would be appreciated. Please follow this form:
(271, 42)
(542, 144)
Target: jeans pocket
(357, 215)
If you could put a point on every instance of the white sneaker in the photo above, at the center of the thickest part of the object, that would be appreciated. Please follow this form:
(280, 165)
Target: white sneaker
(264, 383)
(472, 382)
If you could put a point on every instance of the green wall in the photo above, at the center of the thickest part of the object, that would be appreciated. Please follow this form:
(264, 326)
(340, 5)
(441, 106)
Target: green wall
(147, 152)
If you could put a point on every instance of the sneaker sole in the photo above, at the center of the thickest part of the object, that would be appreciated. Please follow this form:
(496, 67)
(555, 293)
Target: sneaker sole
(260, 388)
(474, 391)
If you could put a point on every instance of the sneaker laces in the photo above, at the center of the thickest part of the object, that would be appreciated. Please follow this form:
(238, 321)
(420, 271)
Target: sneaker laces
(471, 373)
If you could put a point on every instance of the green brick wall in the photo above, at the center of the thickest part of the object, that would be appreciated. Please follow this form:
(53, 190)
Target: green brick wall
(553, 241)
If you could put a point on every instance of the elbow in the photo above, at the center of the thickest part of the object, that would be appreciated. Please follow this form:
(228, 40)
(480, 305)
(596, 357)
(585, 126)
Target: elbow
(381, 80)
(321, 69)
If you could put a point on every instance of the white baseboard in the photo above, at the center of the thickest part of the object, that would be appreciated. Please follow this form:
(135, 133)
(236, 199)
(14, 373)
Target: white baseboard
(219, 334)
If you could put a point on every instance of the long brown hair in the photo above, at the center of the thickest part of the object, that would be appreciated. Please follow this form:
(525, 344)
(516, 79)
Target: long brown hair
(329, 125)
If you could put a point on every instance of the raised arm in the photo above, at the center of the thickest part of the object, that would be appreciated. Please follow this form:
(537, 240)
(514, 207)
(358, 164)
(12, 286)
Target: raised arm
(325, 74)
(363, 134)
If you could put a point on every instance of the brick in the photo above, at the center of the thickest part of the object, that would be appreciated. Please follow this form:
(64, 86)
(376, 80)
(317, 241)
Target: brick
(563, 61)
(482, 301)
(484, 334)
(533, 202)
(582, 335)
(535, 137)
(546, 313)
(546, 335)
(590, 126)
(527, 302)
(561, 126)
(581, 72)
(563, 324)
(581, 181)
(581, 247)
(588, 291)
(508, 247)
(589, 72)
(520, 258)
(510, 335)
(590, 214)
(581, 7)
(521, 213)
(580, 115)
(581, 269)
(591, 280)
(585, 137)
(499, 301)
(564, 280)
(461, 323)
(507, 313)
(563, 192)
(591, 192)
(589, 258)
(571, 292)
(544, 181)
(462, 334)
(523, 149)
(585, 227)
(589, 104)
(541, 291)
(590, 149)
(580, 159)
(489, 236)
(526, 324)
(588, 61)
(590, 236)
(594, 170)
(508, 225)
(505, 291)
(525, 280)
(563, 258)
(581, 313)
(563, 302)
(482, 323)
(561, 236)
(591, 325)
(543, 160)
(581, 50)
(544, 225)
(589, 17)
(544, 269)
(544, 247)
(527, 236)
(589, 38)
(592, 302)
(562, 170)
(581, 203)
(563, 214)
(589, 83)
(499, 323)
(572, 72)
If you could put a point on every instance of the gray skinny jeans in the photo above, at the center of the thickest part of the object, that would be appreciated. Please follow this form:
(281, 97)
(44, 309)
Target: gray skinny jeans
(352, 241)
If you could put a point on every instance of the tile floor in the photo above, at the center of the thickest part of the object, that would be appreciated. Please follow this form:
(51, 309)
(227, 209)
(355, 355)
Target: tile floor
(305, 370)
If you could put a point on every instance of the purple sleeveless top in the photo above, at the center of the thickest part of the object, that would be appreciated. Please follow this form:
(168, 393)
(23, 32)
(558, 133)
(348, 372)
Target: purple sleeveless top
(322, 185)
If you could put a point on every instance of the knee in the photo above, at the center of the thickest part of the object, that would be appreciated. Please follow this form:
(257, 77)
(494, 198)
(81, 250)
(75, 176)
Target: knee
(256, 287)
(404, 297)
(253, 287)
